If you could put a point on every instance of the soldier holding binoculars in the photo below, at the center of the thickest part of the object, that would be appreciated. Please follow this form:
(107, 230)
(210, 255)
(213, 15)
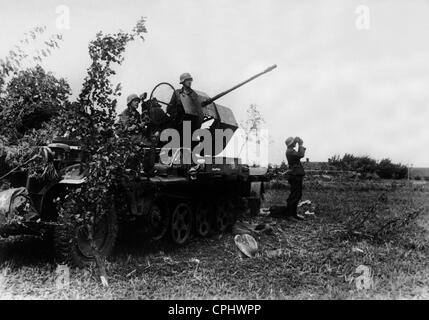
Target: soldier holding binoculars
(296, 174)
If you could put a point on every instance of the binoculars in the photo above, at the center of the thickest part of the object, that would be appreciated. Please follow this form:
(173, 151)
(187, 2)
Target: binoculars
(298, 140)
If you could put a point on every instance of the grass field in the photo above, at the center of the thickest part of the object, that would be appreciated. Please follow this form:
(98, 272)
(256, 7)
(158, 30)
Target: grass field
(317, 260)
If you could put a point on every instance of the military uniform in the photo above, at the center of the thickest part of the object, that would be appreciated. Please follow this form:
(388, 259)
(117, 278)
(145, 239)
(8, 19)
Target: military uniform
(296, 177)
(175, 109)
(129, 119)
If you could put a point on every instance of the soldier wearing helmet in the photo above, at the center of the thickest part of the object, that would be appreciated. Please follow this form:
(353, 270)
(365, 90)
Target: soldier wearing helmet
(186, 77)
(130, 114)
(296, 175)
(131, 122)
(175, 109)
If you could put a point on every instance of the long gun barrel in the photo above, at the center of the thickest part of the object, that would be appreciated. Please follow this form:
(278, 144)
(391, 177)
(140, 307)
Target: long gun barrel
(220, 95)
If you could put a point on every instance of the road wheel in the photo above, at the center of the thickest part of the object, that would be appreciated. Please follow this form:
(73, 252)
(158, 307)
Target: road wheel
(203, 219)
(71, 239)
(159, 219)
(225, 216)
(181, 223)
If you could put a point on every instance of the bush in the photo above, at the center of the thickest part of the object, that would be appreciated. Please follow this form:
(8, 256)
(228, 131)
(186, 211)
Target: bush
(32, 98)
(363, 164)
(388, 170)
(385, 169)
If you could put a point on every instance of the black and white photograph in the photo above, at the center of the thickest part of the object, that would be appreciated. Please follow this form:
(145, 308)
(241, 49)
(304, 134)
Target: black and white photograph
(216, 155)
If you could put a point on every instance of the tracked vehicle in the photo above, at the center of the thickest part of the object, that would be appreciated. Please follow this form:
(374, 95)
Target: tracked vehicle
(177, 199)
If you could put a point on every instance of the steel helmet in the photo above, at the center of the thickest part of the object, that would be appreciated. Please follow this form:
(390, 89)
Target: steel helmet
(246, 244)
(290, 141)
(184, 77)
(131, 98)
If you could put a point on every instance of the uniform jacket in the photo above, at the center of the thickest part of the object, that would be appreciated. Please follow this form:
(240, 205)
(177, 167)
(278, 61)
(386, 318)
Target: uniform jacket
(132, 124)
(175, 109)
(294, 160)
(129, 117)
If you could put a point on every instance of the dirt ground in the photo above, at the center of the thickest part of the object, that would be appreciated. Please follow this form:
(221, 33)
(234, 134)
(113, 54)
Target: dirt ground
(313, 259)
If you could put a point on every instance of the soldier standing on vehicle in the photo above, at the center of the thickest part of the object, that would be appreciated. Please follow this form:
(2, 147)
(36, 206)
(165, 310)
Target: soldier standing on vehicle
(175, 109)
(133, 126)
(296, 175)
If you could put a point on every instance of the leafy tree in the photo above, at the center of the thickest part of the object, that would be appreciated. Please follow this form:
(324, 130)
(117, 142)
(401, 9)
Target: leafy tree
(12, 63)
(18, 106)
(365, 164)
(252, 126)
(91, 120)
(31, 98)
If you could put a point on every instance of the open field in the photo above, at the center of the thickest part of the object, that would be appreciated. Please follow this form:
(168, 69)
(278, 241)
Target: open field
(317, 260)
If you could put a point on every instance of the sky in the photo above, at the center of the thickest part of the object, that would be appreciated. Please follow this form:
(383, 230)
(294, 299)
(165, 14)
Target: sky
(350, 79)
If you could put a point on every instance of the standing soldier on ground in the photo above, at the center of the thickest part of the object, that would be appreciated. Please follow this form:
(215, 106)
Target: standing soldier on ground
(295, 178)
(296, 175)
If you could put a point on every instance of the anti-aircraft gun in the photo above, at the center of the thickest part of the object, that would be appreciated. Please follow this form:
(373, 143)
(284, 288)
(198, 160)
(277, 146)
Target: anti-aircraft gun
(199, 108)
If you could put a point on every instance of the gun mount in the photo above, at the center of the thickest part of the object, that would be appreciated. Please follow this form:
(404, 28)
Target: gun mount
(199, 108)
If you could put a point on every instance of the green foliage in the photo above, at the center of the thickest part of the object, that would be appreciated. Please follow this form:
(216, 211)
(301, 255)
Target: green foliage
(364, 164)
(388, 170)
(13, 62)
(28, 99)
(252, 126)
(31, 98)
(91, 120)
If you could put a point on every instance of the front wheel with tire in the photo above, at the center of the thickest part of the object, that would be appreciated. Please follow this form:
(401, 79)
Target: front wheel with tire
(72, 239)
